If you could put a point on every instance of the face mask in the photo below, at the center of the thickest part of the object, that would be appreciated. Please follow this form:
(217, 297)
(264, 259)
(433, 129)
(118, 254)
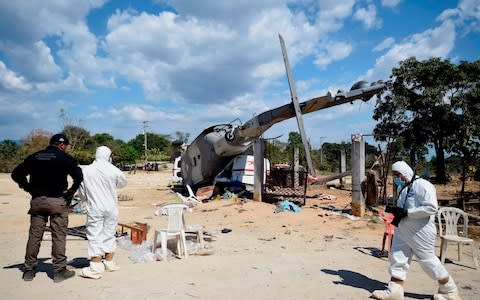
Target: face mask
(398, 182)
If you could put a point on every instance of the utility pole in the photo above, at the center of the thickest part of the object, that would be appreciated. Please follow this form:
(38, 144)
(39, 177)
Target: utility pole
(145, 125)
(296, 106)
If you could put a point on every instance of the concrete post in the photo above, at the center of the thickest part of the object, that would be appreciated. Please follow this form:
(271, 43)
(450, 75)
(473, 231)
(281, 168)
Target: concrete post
(358, 174)
(343, 166)
(259, 159)
(296, 167)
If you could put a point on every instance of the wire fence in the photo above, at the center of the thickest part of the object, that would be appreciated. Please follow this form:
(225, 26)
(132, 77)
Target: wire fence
(286, 184)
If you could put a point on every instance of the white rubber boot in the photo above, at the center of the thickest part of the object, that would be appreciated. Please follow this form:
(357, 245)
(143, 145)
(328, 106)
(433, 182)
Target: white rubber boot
(394, 291)
(110, 266)
(94, 271)
(448, 291)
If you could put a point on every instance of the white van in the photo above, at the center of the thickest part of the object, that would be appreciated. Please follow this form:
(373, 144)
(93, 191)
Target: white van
(177, 171)
(241, 169)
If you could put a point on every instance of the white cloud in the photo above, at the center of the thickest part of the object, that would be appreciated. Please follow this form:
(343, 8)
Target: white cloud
(19, 114)
(390, 3)
(217, 61)
(470, 8)
(11, 81)
(333, 52)
(218, 54)
(333, 9)
(385, 44)
(368, 16)
(37, 27)
(331, 14)
(132, 112)
(139, 113)
(33, 61)
(448, 13)
(72, 83)
(96, 115)
(436, 42)
(466, 15)
(236, 14)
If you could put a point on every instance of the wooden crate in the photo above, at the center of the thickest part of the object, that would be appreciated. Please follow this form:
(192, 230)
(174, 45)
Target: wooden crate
(138, 231)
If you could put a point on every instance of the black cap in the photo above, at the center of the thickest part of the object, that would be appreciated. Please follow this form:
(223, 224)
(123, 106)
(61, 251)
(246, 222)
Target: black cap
(58, 139)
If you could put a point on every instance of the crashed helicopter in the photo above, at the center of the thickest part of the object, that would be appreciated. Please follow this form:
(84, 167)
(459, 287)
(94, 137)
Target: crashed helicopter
(217, 145)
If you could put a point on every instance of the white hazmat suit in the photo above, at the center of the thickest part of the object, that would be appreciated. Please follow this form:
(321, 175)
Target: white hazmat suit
(415, 235)
(416, 232)
(99, 189)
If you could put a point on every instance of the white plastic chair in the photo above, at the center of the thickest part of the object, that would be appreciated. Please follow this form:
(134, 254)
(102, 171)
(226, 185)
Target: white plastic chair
(175, 229)
(191, 200)
(448, 218)
(191, 195)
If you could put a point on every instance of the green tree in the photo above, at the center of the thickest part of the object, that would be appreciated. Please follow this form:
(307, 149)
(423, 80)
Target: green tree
(274, 152)
(126, 154)
(156, 155)
(390, 122)
(36, 140)
(416, 108)
(83, 156)
(102, 138)
(331, 155)
(371, 153)
(295, 141)
(121, 151)
(79, 138)
(159, 142)
(466, 119)
(8, 156)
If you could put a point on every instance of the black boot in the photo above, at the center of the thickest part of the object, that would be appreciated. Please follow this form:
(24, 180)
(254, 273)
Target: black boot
(28, 275)
(62, 275)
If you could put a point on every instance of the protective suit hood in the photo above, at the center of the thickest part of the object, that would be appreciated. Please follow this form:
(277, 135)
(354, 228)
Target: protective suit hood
(103, 154)
(404, 169)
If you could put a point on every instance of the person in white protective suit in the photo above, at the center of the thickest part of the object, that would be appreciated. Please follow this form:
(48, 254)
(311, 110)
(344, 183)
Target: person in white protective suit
(415, 234)
(99, 189)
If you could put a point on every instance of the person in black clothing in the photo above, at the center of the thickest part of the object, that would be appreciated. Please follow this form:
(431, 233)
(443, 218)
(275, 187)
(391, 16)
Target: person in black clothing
(48, 170)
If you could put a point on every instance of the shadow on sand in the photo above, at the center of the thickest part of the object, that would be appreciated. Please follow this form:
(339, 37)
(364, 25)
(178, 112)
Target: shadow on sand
(372, 251)
(360, 281)
(44, 267)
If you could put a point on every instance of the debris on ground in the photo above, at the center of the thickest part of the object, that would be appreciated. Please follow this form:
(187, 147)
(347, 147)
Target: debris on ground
(285, 206)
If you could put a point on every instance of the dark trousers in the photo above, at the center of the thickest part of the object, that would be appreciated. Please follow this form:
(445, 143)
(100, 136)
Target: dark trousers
(56, 210)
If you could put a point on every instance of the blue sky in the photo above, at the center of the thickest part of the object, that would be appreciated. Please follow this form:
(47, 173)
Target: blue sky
(186, 65)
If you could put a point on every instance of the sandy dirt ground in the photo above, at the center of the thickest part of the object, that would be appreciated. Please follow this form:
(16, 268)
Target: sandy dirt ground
(312, 254)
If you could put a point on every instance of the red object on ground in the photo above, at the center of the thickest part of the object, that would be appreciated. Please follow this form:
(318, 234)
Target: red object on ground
(389, 231)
